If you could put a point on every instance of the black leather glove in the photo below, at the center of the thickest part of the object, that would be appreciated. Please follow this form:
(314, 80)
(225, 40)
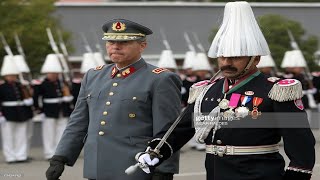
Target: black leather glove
(56, 167)
(293, 175)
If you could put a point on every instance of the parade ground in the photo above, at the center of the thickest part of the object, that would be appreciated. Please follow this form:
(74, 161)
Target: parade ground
(191, 166)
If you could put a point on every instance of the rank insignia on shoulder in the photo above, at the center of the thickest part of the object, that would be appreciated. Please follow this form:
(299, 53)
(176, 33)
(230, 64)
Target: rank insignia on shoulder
(273, 79)
(98, 68)
(286, 90)
(159, 70)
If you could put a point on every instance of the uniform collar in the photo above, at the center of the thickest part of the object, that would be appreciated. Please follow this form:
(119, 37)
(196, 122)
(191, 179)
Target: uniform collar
(127, 71)
(229, 88)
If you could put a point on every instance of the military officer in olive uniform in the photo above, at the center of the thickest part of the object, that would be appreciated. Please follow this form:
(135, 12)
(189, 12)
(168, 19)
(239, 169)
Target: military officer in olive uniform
(250, 111)
(15, 112)
(120, 108)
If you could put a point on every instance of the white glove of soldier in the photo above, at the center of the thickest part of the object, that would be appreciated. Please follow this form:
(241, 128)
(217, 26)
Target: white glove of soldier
(146, 161)
(28, 102)
(67, 98)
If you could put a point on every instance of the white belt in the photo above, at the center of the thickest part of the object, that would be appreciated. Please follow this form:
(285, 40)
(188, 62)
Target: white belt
(52, 100)
(241, 150)
(12, 103)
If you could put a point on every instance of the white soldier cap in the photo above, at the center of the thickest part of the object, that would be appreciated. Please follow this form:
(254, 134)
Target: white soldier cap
(293, 58)
(189, 60)
(167, 60)
(22, 64)
(202, 63)
(239, 34)
(266, 61)
(51, 64)
(9, 67)
(98, 59)
(88, 62)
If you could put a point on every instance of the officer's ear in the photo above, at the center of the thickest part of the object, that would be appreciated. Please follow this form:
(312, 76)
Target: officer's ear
(143, 45)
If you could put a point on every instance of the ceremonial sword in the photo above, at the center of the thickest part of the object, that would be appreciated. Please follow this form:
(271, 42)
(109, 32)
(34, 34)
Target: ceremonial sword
(155, 153)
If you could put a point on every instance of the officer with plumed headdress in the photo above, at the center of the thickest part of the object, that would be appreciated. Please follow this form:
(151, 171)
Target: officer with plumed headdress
(242, 116)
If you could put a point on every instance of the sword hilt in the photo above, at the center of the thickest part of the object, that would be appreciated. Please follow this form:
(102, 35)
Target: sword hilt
(153, 154)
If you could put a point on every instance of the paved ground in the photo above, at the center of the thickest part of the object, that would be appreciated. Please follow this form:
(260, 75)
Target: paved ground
(192, 166)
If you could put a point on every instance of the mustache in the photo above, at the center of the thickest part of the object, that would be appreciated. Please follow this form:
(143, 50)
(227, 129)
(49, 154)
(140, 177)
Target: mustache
(230, 68)
(115, 51)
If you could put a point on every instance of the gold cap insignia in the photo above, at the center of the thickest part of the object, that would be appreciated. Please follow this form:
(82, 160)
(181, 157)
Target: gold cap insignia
(119, 26)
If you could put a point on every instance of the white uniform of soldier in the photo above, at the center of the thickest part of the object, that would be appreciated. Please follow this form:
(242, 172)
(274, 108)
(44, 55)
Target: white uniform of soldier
(15, 113)
(54, 105)
(24, 69)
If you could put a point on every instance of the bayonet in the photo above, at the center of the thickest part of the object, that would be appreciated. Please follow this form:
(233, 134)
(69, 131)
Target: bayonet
(199, 45)
(164, 40)
(19, 46)
(190, 45)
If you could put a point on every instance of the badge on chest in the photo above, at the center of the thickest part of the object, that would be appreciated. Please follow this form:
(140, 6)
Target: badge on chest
(238, 105)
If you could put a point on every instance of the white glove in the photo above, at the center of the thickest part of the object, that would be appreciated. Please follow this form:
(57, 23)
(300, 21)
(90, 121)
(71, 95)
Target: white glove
(145, 161)
(38, 117)
(2, 119)
(312, 91)
(67, 98)
(28, 102)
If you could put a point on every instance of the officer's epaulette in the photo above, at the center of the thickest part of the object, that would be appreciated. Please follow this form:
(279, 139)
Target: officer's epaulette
(197, 88)
(285, 90)
(35, 82)
(98, 68)
(159, 70)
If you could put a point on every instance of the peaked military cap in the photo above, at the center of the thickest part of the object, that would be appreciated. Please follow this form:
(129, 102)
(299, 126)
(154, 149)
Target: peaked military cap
(124, 30)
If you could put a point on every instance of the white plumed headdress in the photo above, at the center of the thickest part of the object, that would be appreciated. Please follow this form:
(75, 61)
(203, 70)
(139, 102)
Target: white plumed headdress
(239, 34)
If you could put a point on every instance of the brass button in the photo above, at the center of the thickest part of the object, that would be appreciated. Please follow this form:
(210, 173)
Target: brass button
(115, 84)
(101, 133)
(108, 103)
(105, 113)
(111, 93)
(134, 98)
(103, 123)
(132, 115)
(118, 75)
(219, 142)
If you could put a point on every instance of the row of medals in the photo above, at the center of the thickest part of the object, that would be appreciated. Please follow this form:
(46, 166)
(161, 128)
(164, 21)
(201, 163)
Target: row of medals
(239, 112)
